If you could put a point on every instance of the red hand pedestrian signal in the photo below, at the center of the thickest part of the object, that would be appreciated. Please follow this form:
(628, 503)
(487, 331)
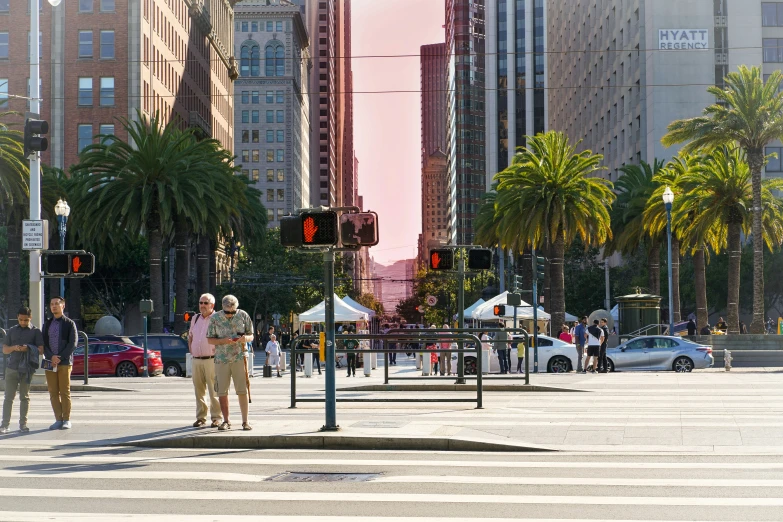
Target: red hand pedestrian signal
(435, 260)
(76, 263)
(441, 259)
(309, 229)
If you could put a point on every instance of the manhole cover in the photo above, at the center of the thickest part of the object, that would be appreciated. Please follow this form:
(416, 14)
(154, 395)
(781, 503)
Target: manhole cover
(323, 477)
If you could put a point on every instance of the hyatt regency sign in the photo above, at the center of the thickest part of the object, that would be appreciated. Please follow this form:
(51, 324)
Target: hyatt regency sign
(683, 39)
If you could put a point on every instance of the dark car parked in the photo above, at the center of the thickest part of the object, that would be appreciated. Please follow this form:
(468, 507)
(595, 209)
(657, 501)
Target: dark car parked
(173, 350)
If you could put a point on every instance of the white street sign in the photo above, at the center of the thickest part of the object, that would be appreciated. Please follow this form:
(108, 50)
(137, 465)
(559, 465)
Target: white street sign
(432, 300)
(35, 234)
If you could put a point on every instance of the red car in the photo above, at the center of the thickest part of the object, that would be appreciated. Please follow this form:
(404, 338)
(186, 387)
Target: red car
(114, 358)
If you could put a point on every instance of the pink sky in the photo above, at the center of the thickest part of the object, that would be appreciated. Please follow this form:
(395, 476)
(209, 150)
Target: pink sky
(387, 135)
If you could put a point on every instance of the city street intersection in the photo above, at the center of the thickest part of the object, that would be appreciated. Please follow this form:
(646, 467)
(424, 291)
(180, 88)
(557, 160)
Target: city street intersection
(627, 446)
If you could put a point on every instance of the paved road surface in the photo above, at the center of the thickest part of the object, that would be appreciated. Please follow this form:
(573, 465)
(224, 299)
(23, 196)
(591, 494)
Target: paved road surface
(109, 484)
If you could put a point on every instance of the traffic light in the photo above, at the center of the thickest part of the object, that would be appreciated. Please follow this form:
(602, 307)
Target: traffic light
(319, 228)
(187, 316)
(82, 264)
(538, 266)
(58, 264)
(441, 259)
(499, 310)
(291, 231)
(480, 259)
(33, 136)
(359, 229)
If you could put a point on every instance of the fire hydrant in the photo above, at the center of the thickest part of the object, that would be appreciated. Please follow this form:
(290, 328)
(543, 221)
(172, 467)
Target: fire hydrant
(727, 360)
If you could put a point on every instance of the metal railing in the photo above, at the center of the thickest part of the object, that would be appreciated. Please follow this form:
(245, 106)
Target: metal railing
(86, 357)
(432, 336)
(3, 333)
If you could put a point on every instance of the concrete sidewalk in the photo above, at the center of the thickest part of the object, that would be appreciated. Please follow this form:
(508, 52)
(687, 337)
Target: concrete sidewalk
(708, 411)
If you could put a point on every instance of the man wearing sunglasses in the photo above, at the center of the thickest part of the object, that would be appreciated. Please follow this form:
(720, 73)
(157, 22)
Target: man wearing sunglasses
(228, 332)
(204, 363)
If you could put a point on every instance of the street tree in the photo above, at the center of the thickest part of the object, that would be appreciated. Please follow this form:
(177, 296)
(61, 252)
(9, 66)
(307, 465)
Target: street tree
(549, 194)
(748, 112)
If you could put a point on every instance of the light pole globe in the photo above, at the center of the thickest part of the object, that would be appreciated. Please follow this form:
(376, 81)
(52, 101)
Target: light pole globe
(54, 3)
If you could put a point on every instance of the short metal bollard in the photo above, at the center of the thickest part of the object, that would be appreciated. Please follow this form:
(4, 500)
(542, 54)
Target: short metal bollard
(308, 365)
(727, 360)
(367, 364)
(188, 365)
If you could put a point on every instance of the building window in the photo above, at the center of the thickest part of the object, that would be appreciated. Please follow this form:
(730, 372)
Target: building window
(254, 118)
(245, 156)
(85, 91)
(4, 45)
(280, 117)
(84, 133)
(255, 175)
(270, 175)
(85, 6)
(280, 136)
(270, 26)
(107, 92)
(256, 138)
(245, 172)
(245, 116)
(279, 26)
(270, 136)
(245, 136)
(270, 96)
(774, 164)
(270, 116)
(773, 50)
(280, 213)
(279, 96)
(106, 129)
(255, 97)
(280, 194)
(85, 44)
(244, 27)
(107, 6)
(270, 194)
(255, 61)
(254, 27)
(280, 155)
(4, 6)
(245, 97)
(772, 14)
(280, 175)
(270, 214)
(3, 93)
(270, 156)
(275, 60)
(256, 156)
(107, 45)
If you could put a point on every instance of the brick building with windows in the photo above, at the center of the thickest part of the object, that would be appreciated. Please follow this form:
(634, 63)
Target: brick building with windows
(272, 109)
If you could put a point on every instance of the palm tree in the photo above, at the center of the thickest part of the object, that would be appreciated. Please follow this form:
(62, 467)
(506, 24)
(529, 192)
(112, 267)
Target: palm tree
(14, 198)
(549, 195)
(748, 113)
(142, 185)
(717, 207)
(634, 189)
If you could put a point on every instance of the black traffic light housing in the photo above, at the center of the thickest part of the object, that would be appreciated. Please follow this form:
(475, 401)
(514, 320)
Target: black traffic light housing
(57, 264)
(291, 231)
(68, 264)
(319, 228)
(499, 310)
(480, 259)
(539, 266)
(187, 316)
(441, 259)
(34, 141)
(359, 229)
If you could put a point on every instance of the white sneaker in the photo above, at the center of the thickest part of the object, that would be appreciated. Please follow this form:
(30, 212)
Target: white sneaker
(66, 425)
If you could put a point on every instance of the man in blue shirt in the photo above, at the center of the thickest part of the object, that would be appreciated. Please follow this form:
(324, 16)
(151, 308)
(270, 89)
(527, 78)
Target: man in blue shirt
(580, 338)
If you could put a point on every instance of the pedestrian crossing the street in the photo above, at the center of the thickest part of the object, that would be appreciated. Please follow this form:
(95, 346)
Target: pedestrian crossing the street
(111, 483)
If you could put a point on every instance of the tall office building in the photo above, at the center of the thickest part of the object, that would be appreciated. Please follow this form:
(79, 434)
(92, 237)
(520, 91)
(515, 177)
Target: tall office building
(622, 70)
(103, 59)
(272, 106)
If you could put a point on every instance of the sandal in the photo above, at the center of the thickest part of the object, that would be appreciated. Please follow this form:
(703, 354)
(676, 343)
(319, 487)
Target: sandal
(246, 426)
(225, 426)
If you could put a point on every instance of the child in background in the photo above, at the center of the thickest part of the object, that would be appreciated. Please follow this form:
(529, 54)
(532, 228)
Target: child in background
(434, 359)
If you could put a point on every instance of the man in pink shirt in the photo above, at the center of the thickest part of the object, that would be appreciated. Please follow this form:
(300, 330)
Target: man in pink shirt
(204, 363)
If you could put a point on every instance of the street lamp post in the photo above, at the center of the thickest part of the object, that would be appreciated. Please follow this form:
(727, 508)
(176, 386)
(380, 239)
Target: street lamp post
(62, 210)
(233, 249)
(36, 288)
(668, 199)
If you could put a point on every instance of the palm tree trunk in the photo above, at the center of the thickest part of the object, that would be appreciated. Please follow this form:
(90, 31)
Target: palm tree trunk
(548, 254)
(557, 283)
(14, 271)
(756, 162)
(156, 280)
(182, 274)
(654, 268)
(700, 277)
(676, 278)
(735, 256)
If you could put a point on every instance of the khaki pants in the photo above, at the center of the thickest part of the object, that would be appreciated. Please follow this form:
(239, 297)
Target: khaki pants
(226, 372)
(59, 384)
(13, 381)
(203, 382)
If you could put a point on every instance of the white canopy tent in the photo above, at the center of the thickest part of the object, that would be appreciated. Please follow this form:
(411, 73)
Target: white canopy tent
(570, 318)
(485, 312)
(343, 313)
(353, 304)
(469, 310)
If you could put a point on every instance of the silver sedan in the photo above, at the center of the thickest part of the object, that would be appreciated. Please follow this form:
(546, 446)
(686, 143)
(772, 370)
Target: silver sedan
(659, 352)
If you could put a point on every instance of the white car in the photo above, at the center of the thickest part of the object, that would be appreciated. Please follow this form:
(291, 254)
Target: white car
(554, 356)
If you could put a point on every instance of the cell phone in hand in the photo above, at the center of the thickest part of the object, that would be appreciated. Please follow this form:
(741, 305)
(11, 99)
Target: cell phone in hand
(48, 365)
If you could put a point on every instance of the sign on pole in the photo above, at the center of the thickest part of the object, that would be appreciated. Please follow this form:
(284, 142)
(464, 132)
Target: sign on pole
(421, 309)
(432, 300)
(35, 234)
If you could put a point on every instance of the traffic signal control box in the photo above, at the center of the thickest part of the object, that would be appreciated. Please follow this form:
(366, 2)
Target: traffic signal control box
(441, 259)
(34, 129)
(480, 259)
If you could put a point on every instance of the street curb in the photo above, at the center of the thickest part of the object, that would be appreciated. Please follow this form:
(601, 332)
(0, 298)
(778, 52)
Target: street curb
(334, 442)
(461, 387)
(74, 388)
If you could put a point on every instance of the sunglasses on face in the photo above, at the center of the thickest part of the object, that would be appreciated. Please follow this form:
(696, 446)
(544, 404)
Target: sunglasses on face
(204, 302)
(228, 313)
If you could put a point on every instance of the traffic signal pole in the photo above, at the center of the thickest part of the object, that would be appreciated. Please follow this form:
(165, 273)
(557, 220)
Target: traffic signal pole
(535, 314)
(331, 382)
(36, 288)
(461, 318)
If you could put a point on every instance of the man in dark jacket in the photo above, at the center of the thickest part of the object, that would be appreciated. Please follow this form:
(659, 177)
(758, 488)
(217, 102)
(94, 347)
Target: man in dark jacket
(60, 336)
(602, 366)
(691, 327)
(21, 348)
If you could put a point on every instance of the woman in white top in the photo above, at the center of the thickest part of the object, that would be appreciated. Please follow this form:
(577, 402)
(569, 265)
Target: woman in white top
(273, 353)
(445, 356)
